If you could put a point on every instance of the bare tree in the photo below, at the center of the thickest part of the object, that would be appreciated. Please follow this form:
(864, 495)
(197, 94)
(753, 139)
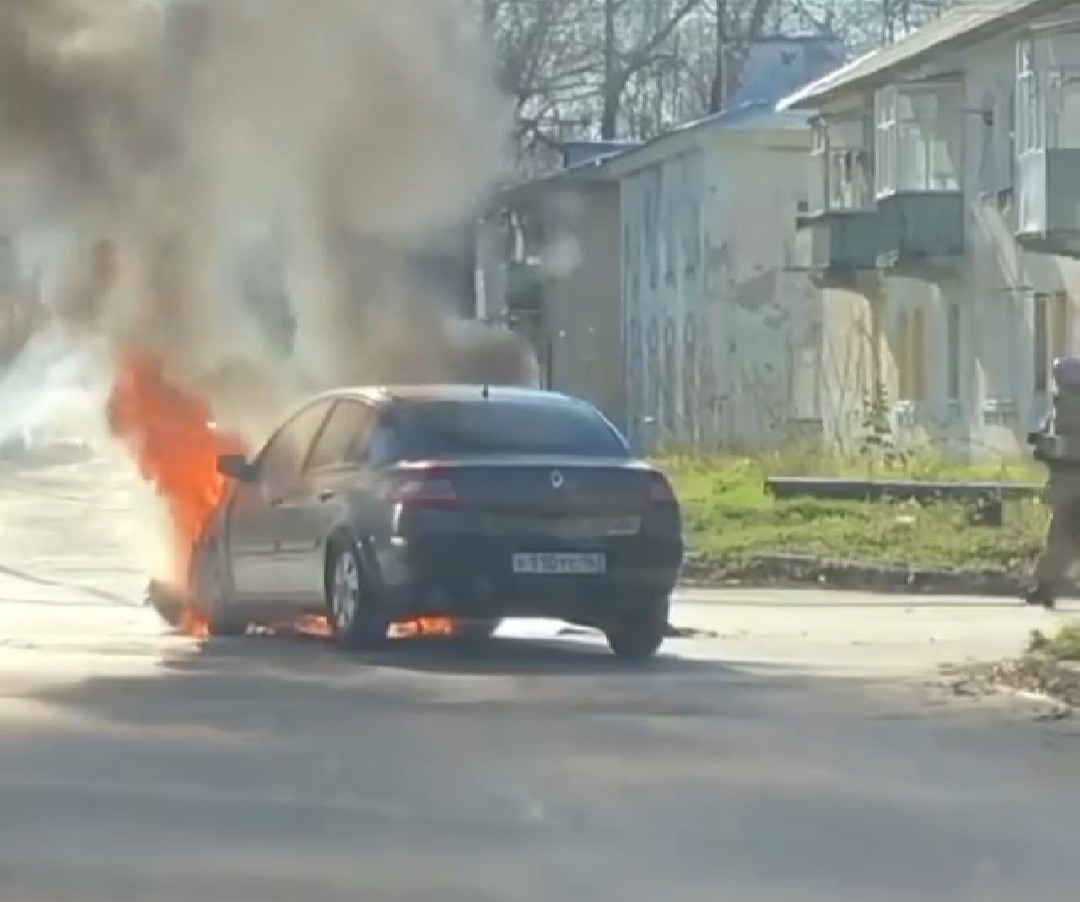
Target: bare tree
(630, 50)
(546, 55)
(634, 68)
(863, 24)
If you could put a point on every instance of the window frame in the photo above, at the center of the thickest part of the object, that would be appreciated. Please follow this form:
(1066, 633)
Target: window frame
(260, 462)
(340, 404)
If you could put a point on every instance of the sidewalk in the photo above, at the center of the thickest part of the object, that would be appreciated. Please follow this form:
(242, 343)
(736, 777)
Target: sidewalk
(847, 631)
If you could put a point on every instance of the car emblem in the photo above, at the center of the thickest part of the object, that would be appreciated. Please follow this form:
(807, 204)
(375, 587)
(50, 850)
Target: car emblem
(557, 479)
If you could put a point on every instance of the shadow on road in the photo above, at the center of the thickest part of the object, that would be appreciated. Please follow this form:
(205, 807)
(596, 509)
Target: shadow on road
(256, 681)
(557, 657)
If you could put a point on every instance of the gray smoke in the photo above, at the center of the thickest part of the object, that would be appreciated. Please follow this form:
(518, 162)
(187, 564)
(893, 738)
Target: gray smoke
(180, 144)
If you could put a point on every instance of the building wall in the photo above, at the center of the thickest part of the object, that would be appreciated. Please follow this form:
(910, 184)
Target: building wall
(721, 334)
(583, 301)
(957, 355)
(1004, 281)
(579, 283)
(851, 354)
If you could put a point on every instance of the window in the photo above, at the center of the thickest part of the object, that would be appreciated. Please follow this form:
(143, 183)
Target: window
(1062, 108)
(885, 142)
(1030, 119)
(819, 182)
(506, 427)
(843, 164)
(344, 438)
(1001, 136)
(911, 355)
(952, 342)
(1060, 331)
(928, 134)
(385, 447)
(1050, 332)
(1041, 350)
(283, 456)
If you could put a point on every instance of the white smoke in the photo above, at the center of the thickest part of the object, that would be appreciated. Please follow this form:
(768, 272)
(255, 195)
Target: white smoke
(157, 138)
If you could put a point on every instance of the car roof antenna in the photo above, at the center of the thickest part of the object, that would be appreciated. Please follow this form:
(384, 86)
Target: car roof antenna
(485, 392)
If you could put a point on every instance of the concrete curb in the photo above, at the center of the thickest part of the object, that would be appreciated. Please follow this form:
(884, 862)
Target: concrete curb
(794, 570)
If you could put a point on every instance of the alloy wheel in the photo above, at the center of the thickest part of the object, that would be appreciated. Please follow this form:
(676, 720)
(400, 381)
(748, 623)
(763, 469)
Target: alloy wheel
(345, 597)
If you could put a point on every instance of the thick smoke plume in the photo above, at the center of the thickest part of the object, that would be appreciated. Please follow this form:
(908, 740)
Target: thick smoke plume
(184, 149)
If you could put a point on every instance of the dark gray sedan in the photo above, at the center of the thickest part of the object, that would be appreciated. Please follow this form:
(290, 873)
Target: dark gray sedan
(376, 505)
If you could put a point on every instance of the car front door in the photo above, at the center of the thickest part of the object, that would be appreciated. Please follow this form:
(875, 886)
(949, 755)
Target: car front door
(333, 470)
(260, 513)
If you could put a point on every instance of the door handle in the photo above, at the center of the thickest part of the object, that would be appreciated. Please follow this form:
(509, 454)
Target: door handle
(276, 502)
(326, 495)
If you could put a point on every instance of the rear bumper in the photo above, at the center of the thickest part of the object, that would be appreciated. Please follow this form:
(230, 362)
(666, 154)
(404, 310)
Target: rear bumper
(474, 578)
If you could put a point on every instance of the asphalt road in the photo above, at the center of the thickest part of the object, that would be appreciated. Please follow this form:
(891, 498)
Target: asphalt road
(787, 750)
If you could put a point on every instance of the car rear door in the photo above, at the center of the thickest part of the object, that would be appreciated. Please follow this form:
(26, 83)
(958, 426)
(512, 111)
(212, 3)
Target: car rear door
(259, 519)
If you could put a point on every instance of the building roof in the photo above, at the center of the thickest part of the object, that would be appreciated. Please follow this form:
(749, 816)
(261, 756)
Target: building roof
(756, 115)
(752, 108)
(968, 22)
(591, 170)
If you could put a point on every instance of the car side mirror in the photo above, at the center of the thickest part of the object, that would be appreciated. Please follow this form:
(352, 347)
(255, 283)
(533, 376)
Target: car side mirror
(236, 466)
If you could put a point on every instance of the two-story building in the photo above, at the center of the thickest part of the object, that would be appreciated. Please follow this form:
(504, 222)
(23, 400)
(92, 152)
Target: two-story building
(657, 278)
(943, 221)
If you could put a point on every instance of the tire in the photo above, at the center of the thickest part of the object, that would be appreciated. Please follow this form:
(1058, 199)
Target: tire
(356, 621)
(166, 603)
(169, 606)
(208, 587)
(637, 633)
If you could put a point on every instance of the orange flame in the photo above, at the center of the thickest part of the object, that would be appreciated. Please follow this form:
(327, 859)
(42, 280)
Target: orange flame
(427, 626)
(170, 435)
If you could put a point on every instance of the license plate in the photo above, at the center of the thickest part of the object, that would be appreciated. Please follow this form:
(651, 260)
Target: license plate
(559, 563)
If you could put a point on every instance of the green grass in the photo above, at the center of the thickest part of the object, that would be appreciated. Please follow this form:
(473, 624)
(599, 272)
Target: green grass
(1063, 645)
(730, 517)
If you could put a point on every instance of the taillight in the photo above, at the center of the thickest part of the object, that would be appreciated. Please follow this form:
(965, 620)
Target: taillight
(426, 489)
(660, 491)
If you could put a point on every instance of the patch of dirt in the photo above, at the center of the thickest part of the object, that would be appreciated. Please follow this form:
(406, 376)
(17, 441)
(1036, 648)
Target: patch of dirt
(1040, 676)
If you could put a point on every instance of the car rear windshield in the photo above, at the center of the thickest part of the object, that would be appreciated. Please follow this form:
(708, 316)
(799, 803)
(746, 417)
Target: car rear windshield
(508, 427)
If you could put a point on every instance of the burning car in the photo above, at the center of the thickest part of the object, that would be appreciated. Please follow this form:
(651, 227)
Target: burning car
(476, 503)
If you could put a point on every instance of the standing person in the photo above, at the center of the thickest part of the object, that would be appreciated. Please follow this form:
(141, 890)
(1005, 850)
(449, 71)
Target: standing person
(1057, 445)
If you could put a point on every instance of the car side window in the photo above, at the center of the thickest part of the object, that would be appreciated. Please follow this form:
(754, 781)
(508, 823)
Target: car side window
(345, 438)
(282, 459)
(385, 447)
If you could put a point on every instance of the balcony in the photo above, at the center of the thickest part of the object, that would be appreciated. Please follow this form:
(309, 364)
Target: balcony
(1050, 202)
(921, 233)
(836, 239)
(1048, 160)
(837, 245)
(918, 146)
